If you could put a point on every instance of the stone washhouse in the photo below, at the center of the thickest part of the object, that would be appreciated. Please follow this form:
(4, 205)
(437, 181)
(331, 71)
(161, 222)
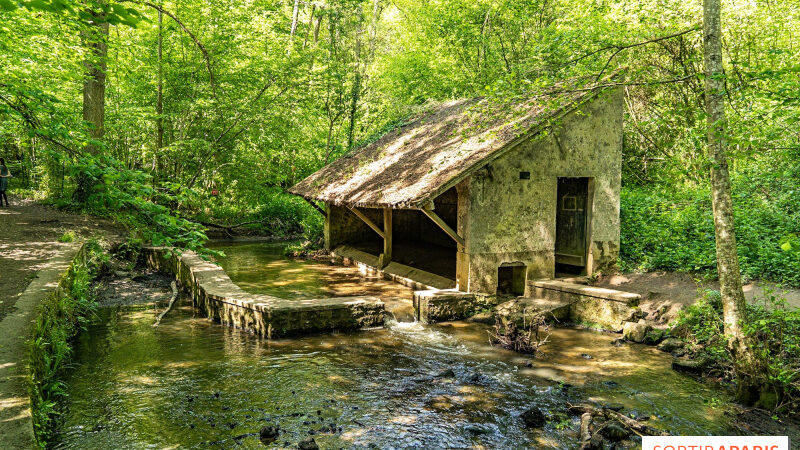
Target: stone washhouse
(474, 199)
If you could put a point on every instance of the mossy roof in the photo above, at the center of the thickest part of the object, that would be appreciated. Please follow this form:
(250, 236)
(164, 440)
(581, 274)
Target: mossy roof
(411, 165)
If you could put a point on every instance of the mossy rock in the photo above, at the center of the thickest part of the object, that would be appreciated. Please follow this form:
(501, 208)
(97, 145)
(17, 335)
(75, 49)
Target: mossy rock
(653, 337)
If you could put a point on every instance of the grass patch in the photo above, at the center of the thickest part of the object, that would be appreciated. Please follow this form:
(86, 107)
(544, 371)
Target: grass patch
(69, 236)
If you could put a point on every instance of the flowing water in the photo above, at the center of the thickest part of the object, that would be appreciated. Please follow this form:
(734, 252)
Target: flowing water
(191, 383)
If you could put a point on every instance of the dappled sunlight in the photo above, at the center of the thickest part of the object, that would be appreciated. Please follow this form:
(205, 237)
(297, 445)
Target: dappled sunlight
(410, 384)
(262, 269)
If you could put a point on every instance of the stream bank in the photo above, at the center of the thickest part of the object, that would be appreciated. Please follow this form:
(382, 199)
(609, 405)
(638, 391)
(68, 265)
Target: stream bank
(190, 382)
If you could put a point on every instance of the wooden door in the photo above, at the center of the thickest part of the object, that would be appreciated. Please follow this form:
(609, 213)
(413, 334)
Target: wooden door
(571, 215)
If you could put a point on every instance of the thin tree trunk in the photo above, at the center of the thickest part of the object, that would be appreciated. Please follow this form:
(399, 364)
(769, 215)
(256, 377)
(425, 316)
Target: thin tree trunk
(730, 281)
(94, 84)
(159, 98)
(295, 12)
(310, 24)
(356, 93)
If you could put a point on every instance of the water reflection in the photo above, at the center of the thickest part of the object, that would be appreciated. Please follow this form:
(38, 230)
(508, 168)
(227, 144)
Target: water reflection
(191, 383)
(261, 268)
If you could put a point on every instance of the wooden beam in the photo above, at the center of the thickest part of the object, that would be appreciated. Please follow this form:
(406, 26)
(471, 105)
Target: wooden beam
(387, 235)
(428, 211)
(316, 206)
(366, 220)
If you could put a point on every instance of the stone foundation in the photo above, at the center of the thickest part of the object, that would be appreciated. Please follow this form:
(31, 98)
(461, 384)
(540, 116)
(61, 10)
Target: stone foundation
(213, 293)
(436, 305)
(607, 309)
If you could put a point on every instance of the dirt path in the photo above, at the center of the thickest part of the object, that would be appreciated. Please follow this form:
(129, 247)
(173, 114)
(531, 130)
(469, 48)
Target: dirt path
(665, 293)
(29, 237)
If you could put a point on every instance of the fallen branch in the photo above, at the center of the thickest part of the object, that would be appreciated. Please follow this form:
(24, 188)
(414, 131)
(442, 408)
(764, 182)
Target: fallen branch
(171, 302)
(595, 420)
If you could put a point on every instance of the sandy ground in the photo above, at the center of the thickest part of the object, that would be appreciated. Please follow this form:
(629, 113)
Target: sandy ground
(29, 235)
(665, 293)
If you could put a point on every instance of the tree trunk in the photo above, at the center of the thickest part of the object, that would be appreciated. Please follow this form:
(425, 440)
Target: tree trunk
(159, 99)
(730, 281)
(94, 84)
(295, 12)
(356, 92)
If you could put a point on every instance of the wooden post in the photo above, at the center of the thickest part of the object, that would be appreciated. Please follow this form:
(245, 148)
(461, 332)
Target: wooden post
(387, 236)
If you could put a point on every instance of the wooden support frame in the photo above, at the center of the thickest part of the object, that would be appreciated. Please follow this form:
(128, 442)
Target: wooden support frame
(369, 222)
(315, 206)
(428, 211)
(387, 236)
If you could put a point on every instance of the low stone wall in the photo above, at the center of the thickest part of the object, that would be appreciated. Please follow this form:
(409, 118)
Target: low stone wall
(213, 293)
(434, 305)
(607, 309)
(16, 418)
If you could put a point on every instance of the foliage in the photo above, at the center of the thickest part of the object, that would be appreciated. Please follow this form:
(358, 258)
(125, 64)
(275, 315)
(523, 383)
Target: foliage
(129, 198)
(68, 236)
(60, 316)
(773, 329)
(674, 229)
(256, 98)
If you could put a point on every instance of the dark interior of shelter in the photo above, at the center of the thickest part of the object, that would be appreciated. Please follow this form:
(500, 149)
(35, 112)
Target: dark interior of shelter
(418, 241)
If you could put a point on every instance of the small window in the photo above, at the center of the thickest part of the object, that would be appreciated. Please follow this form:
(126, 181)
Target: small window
(524, 175)
(569, 203)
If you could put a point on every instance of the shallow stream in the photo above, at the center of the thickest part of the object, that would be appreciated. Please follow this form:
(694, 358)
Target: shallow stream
(193, 383)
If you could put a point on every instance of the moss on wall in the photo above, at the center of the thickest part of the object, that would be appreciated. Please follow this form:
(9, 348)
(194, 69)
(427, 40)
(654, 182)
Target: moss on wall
(512, 219)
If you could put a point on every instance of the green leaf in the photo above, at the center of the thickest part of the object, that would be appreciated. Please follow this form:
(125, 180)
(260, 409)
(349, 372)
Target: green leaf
(786, 246)
(8, 5)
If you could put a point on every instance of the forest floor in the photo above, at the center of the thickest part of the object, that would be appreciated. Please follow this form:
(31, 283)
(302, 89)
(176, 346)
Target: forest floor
(29, 237)
(664, 294)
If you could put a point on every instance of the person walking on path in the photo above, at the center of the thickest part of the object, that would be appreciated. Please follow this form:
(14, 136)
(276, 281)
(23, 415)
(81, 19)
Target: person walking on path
(4, 176)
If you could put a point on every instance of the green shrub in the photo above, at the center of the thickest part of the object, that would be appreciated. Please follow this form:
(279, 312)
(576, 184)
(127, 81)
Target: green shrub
(60, 316)
(68, 236)
(773, 332)
(674, 230)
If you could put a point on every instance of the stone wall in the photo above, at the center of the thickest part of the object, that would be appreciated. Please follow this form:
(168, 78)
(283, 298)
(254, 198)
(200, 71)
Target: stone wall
(18, 381)
(507, 219)
(602, 308)
(213, 293)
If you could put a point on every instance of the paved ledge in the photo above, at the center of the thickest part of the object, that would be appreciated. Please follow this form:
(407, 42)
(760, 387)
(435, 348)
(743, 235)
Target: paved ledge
(607, 309)
(213, 292)
(399, 273)
(16, 422)
(629, 298)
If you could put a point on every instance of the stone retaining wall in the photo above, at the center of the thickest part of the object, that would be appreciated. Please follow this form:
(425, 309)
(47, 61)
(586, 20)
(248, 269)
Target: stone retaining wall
(16, 421)
(213, 293)
(607, 309)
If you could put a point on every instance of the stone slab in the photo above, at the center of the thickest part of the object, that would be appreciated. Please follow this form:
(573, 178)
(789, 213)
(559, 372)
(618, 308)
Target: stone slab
(394, 271)
(436, 305)
(629, 298)
(602, 308)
